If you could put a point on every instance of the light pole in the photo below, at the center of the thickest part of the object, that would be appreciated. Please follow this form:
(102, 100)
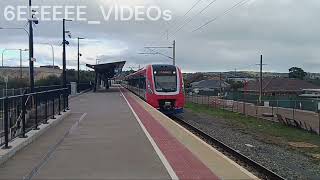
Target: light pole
(21, 74)
(52, 50)
(31, 20)
(20, 50)
(174, 52)
(10, 28)
(79, 60)
(64, 63)
(31, 58)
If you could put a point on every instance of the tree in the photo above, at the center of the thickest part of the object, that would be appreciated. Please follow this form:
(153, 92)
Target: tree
(297, 73)
(235, 85)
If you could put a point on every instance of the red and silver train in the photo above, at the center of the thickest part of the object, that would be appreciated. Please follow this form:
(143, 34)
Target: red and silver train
(161, 86)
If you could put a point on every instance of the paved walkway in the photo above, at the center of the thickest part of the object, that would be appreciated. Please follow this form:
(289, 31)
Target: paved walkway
(116, 135)
(101, 139)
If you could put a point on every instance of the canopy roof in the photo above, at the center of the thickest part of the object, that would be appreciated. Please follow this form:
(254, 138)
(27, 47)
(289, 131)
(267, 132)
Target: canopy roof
(109, 70)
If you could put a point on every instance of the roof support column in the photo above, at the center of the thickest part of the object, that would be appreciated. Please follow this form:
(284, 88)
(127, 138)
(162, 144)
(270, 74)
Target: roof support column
(95, 82)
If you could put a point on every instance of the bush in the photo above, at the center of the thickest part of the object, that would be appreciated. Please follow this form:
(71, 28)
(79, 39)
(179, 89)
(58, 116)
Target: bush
(49, 81)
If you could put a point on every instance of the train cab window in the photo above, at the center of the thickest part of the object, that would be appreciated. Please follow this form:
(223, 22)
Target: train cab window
(165, 79)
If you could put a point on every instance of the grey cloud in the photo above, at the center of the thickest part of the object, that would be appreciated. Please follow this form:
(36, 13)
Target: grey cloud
(286, 32)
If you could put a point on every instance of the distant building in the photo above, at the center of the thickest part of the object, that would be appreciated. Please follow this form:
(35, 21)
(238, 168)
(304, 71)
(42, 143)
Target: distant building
(241, 79)
(210, 87)
(278, 86)
(50, 67)
(313, 75)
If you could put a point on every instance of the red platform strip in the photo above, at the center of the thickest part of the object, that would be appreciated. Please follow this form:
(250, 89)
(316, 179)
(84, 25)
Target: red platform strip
(183, 162)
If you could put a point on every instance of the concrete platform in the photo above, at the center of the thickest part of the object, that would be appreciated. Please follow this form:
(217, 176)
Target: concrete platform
(115, 135)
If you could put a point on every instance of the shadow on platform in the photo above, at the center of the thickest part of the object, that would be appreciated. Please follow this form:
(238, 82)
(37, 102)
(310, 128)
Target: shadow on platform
(110, 90)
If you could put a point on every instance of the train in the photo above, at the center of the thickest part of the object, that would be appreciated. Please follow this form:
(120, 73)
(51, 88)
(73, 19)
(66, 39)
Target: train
(159, 85)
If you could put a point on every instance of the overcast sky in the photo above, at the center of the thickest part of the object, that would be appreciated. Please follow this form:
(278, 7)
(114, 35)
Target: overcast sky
(286, 32)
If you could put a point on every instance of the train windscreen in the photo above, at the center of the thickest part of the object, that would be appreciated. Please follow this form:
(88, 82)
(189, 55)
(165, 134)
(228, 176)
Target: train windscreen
(165, 78)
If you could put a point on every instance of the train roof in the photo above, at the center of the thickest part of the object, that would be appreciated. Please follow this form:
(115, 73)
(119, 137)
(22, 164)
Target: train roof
(156, 66)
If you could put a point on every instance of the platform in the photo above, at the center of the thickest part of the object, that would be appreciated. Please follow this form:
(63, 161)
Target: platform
(115, 135)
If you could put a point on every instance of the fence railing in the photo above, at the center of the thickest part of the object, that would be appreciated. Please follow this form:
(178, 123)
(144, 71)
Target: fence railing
(26, 90)
(21, 113)
(294, 116)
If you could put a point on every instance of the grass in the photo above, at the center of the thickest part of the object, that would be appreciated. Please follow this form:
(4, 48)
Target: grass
(267, 131)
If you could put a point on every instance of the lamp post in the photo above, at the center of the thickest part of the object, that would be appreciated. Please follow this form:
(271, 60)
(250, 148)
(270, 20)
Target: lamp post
(31, 20)
(21, 74)
(79, 61)
(20, 50)
(52, 50)
(64, 63)
(11, 28)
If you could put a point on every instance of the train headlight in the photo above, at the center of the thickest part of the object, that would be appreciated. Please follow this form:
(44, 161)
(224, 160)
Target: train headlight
(150, 91)
(149, 87)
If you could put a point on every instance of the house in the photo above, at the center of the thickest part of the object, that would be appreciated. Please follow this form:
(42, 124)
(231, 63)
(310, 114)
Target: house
(210, 87)
(278, 86)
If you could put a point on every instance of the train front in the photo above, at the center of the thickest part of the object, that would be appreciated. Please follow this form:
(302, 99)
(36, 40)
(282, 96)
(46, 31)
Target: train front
(165, 89)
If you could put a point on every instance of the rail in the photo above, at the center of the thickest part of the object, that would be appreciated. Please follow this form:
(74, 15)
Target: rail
(266, 173)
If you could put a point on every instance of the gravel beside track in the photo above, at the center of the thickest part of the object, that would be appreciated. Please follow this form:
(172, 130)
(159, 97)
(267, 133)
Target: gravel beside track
(288, 164)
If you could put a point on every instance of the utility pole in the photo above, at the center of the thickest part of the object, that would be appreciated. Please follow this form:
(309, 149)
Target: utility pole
(174, 52)
(220, 82)
(64, 58)
(167, 32)
(64, 64)
(260, 92)
(31, 64)
(79, 60)
(20, 64)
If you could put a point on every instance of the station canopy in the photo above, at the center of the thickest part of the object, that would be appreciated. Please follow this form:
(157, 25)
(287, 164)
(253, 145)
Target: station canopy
(109, 70)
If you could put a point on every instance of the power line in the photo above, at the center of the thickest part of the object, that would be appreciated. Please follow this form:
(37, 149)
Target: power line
(193, 6)
(191, 18)
(223, 14)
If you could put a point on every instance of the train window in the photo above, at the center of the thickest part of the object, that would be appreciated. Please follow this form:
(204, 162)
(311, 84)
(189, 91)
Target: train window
(165, 83)
(142, 83)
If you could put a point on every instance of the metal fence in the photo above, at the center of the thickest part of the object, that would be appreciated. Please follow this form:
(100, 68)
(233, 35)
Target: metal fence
(285, 101)
(19, 91)
(22, 113)
(293, 116)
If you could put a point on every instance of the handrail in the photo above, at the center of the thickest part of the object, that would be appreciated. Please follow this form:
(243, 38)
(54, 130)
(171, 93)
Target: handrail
(34, 93)
(25, 103)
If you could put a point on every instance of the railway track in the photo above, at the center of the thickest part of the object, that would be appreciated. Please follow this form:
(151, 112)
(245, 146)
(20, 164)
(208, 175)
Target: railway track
(263, 172)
